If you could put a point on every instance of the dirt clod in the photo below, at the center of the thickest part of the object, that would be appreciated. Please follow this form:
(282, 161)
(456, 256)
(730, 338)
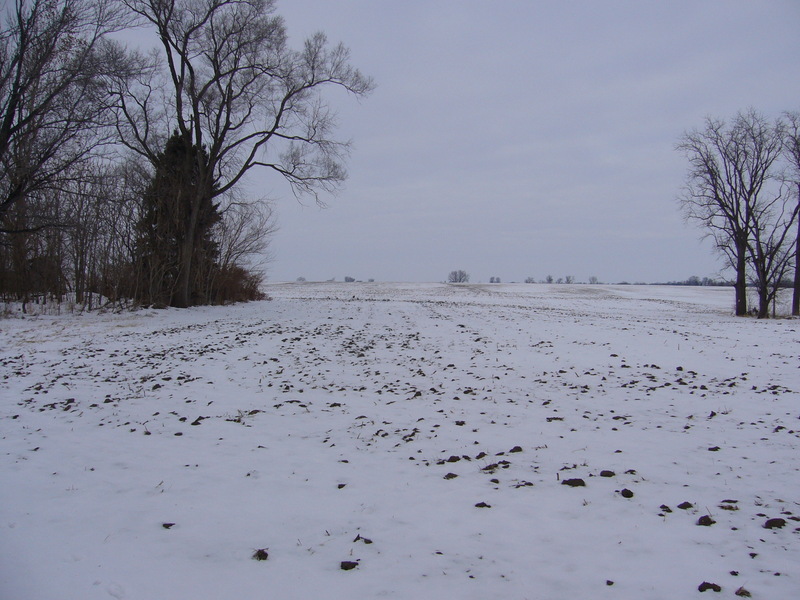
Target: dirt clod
(709, 586)
(360, 538)
(574, 482)
(261, 554)
(774, 523)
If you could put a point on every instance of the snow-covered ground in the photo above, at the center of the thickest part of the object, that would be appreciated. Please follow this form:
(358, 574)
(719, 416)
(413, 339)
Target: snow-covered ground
(423, 433)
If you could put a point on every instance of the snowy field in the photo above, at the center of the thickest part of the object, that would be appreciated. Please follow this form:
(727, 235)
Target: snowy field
(465, 442)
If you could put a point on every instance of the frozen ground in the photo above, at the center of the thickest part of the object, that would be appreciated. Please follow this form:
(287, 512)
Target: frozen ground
(421, 432)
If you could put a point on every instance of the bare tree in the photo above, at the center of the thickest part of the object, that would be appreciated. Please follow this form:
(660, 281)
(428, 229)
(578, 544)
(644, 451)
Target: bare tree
(792, 149)
(99, 211)
(729, 168)
(235, 89)
(54, 59)
(30, 260)
(86, 259)
(459, 276)
(772, 222)
(245, 233)
(86, 207)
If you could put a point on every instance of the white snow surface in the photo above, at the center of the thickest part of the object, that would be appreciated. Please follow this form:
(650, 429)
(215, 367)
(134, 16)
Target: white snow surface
(364, 422)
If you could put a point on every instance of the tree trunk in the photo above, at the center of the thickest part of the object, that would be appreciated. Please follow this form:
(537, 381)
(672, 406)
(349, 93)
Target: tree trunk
(183, 293)
(763, 301)
(796, 293)
(741, 282)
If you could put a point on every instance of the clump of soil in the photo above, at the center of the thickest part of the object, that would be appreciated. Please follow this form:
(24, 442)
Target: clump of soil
(261, 554)
(774, 523)
(709, 586)
(348, 565)
(574, 482)
(359, 538)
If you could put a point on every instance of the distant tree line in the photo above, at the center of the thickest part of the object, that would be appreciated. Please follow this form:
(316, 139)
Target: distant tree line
(694, 280)
(567, 279)
(461, 276)
(743, 189)
(121, 172)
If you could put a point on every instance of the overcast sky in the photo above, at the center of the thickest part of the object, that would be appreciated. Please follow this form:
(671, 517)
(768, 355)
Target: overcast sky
(526, 138)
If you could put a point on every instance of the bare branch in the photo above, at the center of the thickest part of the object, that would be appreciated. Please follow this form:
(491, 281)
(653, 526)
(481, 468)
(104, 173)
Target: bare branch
(55, 60)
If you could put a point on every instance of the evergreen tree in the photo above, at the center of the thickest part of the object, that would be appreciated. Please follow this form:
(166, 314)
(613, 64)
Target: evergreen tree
(167, 230)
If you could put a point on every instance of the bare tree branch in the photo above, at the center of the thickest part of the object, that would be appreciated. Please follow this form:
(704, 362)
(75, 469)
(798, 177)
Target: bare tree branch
(54, 60)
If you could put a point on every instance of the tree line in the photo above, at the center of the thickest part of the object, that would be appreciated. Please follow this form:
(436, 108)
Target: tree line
(743, 188)
(122, 171)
